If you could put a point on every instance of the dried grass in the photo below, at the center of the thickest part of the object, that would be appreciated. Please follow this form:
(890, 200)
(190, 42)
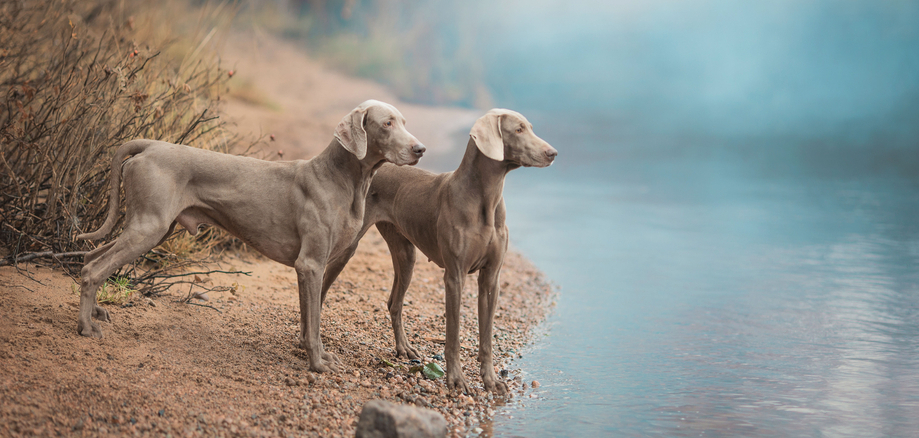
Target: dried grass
(78, 79)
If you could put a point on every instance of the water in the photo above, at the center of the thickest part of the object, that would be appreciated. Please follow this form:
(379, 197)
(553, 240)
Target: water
(732, 220)
(705, 297)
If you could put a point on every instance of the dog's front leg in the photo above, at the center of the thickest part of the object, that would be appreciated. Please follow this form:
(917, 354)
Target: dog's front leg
(488, 300)
(454, 278)
(309, 279)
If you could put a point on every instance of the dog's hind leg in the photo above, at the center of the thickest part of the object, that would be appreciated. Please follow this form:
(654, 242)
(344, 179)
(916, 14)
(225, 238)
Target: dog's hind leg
(132, 243)
(403, 262)
(94, 254)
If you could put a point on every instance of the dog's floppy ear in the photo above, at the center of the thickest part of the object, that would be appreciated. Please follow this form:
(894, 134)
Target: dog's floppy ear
(487, 136)
(351, 134)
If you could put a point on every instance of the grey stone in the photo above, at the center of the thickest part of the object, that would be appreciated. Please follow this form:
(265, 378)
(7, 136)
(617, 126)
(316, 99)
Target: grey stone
(382, 419)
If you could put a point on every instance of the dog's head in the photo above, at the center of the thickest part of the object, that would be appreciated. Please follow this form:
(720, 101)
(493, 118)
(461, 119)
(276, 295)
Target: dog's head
(377, 129)
(506, 135)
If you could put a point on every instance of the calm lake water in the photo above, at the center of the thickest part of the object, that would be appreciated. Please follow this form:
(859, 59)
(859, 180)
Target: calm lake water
(702, 296)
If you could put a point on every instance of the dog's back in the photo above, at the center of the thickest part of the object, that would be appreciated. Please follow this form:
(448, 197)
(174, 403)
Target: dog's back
(409, 198)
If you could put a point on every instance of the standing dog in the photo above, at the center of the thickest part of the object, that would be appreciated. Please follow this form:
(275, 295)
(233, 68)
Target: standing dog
(457, 220)
(299, 213)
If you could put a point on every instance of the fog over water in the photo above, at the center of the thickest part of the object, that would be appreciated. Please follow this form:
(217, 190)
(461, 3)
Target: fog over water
(808, 69)
(731, 220)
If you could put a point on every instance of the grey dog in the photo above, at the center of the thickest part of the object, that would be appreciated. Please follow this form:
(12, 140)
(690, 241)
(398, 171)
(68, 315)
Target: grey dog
(299, 213)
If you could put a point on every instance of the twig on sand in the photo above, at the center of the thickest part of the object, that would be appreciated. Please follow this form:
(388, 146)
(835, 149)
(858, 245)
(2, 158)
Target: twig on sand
(202, 305)
(35, 255)
(156, 274)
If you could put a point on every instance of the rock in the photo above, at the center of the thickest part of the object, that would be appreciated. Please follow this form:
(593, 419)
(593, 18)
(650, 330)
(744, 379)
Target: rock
(382, 419)
(535, 384)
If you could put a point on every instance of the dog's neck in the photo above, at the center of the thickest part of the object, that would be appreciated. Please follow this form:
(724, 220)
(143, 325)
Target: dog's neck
(349, 171)
(480, 174)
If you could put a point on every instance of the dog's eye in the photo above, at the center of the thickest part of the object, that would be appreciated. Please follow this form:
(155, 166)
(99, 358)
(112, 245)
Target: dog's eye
(520, 130)
(388, 123)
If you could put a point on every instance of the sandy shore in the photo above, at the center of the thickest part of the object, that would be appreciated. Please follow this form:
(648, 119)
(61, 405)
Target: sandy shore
(234, 368)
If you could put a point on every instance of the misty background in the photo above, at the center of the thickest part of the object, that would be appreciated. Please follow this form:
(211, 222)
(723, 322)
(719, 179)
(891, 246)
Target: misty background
(817, 76)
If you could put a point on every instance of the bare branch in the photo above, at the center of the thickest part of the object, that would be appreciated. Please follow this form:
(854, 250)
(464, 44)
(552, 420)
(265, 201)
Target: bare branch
(35, 255)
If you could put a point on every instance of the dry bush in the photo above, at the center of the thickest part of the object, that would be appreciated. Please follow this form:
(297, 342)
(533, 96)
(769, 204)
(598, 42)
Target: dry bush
(77, 80)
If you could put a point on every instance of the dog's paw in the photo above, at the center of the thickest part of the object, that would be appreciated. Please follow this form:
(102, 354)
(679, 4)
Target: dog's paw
(101, 314)
(407, 351)
(495, 386)
(490, 380)
(90, 330)
(458, 383)
(324, 366)
(330, 357)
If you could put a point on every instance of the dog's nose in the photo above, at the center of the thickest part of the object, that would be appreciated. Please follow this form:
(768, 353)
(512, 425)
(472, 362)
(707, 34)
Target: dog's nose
(551, 153)
(418, 149)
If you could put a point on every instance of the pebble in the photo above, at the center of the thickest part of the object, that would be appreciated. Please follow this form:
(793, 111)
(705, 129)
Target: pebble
(535, 384)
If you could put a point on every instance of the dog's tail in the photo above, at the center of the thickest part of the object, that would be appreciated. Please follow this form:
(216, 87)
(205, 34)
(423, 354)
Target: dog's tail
(130, 148)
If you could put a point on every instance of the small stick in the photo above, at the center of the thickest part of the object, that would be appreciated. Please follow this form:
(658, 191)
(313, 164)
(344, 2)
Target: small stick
(35, 255)
(202, 305)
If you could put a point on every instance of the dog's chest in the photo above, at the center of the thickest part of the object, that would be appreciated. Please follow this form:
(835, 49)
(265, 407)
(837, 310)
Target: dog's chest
(349, 227)
(484, 245)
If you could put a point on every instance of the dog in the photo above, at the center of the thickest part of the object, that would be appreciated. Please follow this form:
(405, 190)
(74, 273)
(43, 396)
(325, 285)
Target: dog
(299, 213)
